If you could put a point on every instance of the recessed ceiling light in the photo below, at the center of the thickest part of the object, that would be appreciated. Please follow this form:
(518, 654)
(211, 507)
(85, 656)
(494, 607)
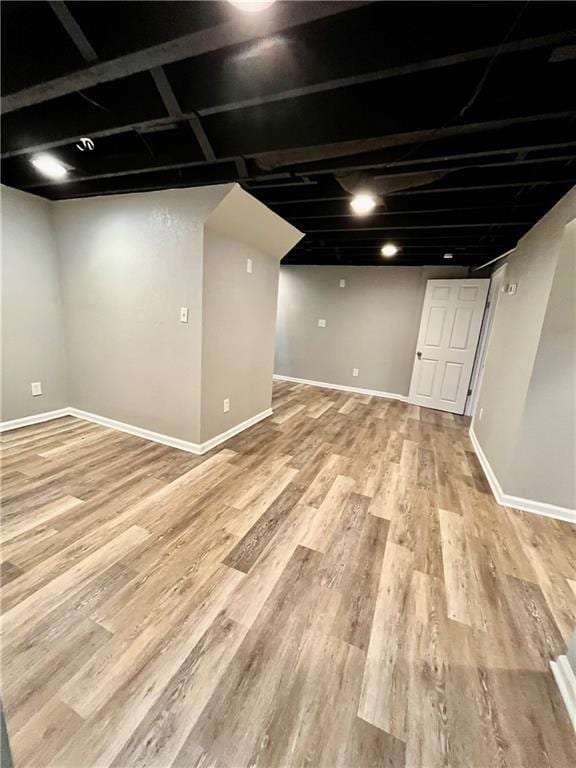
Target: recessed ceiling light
(389, 249)
(49, 166)
(448, 255)
(363, 204)
(252, 6)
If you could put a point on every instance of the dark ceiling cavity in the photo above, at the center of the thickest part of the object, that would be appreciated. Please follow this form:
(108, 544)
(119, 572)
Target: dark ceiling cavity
(460, 117)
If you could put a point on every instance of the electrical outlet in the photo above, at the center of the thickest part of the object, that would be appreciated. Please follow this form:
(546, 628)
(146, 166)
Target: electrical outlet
(342, 283)
(36, 388)
(321, 323)
(226, 405)
(354, 371)
(480, 414)
(183, 314)
(249, 266)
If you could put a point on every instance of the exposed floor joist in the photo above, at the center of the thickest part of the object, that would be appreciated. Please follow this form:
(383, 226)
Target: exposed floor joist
(204, 41)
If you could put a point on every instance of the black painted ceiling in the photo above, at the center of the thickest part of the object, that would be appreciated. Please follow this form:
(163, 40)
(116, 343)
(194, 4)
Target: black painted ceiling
(178, 94)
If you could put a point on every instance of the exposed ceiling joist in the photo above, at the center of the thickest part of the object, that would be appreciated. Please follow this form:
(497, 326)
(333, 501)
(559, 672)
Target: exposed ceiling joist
(313, 126)
(429, 226)
(210, 157)
(302, 155)
(517, 46)
(173, 107)
(238, 30)
(286, 156)
(74, 31)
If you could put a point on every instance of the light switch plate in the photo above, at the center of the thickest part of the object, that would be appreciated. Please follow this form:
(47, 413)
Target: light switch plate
(249, 266)
(36, 388)
(342, 283)
(321, 323)
(183, 314)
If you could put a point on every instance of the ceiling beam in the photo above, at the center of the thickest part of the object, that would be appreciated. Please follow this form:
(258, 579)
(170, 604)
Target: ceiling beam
(241, 168)
(517, 46)
(74, 31)
(374, 162)
(416, 212)
(238, 30)
(427, 226)
(353, 147)
(173, 108)
(398, 171)
(272, 159)
(397, 168)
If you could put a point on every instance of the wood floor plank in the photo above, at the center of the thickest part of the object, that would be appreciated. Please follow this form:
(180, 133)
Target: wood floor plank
(385, 680)
(48, 597)
(462, 591)
(233, 724)
(44, 734)
(334, 588)
(246, 552)
(321, 530)
(40, 516)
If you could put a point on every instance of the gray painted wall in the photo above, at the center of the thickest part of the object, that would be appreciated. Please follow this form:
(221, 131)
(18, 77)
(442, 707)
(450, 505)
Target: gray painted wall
(128, 263)
(238, 330)
(544, 463)
(510, 365)
(124, 265)
(371, 324)
(32, 328)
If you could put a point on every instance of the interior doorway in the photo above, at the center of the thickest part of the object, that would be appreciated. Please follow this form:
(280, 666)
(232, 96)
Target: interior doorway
(496, 284)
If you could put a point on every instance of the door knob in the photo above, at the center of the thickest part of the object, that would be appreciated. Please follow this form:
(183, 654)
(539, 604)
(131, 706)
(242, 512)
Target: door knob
(419, 355)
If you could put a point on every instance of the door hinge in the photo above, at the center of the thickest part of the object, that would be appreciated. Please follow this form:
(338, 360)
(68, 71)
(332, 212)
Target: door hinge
(469, 393)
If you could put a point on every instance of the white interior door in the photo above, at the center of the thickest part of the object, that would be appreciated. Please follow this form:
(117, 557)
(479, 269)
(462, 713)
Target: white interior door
(449, 330)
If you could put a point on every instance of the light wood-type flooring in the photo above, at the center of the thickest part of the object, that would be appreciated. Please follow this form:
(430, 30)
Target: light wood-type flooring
(333, 588)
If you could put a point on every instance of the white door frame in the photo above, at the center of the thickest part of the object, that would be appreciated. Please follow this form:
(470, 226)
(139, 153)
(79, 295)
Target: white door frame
(496, 284)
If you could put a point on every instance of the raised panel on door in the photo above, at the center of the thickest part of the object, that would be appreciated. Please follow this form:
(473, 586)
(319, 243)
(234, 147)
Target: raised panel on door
(451, 382)
(435, 326)
(427, 377)
(461, 323)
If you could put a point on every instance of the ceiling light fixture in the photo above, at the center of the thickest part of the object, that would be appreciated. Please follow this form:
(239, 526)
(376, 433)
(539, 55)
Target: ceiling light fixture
(448, 255)
(252, 6)
(389, 250)
(363, 203)
(49, 166)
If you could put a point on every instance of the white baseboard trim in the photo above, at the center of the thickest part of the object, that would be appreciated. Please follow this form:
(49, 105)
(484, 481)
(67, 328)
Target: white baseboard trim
(37, 418)
(223, 436)
(130, 429)
(566, 682)
(173, 442)
(343, 388)
(517, 502)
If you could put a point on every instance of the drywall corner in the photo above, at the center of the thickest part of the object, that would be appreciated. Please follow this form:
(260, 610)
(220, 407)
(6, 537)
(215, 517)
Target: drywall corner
(242, 217)
(32, 330)
(128, 264)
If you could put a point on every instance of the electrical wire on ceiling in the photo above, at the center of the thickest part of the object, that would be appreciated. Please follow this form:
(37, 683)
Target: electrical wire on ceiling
(94, 103)
(474, 96)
